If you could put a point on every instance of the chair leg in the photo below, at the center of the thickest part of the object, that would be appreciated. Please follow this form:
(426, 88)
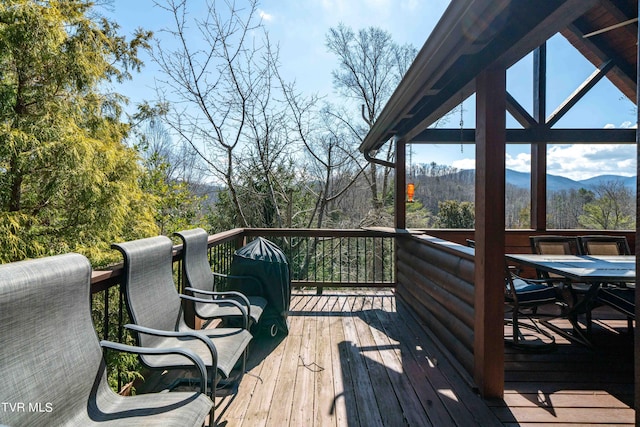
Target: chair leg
(214, 385)
(522, 344)
(515, 327)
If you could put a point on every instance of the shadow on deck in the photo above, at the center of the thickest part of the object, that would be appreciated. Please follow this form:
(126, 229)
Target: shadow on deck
(573, 385)
(363, 359)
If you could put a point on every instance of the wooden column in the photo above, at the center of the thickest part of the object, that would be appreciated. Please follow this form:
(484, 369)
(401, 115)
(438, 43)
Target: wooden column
(489, 234)
(539, 150)
(401, 183)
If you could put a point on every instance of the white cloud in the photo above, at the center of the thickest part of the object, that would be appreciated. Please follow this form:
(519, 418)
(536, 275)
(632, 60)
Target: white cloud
(520, 163)
(410, 5)
(267, 17)
(624, 125)
(580, 161)
(463, 164)
(573, 161)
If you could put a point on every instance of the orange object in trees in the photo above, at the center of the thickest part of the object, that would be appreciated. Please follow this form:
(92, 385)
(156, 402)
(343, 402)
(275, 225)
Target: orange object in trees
(411, 189)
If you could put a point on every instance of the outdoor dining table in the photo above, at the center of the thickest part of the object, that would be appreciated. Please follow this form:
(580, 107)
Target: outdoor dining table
(594, 270)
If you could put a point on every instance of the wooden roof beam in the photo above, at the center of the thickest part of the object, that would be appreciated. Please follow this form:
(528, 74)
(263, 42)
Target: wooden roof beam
(579, 93)
(519, 113)
(531, 136)
(625, 72)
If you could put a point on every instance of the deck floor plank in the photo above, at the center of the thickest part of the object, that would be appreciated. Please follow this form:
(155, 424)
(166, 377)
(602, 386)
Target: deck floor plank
(282, 398)
(382, 376)
(417, 367)
(258, 409)
(304, 387)
(344, 400)
(368, 411)
(325, 393)
(456, 394)
(393, 359)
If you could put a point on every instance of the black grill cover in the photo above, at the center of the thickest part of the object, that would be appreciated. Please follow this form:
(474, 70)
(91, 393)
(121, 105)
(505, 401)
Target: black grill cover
(266, 262)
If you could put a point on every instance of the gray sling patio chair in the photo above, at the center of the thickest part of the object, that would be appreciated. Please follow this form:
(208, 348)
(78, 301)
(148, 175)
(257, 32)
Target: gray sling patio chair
(200, 280)
(52, 368)
(155, 308)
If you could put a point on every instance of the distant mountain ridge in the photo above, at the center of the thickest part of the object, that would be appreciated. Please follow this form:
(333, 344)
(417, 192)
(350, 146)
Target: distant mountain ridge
(558, 183)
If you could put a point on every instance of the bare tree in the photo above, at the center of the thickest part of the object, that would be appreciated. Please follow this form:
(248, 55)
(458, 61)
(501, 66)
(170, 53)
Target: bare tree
(370, 66)
(332, 164)
(220, 94)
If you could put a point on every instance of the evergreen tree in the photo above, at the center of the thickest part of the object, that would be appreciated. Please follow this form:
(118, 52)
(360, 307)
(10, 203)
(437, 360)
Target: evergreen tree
(67, 181)
(455, 214)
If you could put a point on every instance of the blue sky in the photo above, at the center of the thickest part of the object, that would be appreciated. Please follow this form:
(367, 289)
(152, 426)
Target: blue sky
(300, 27)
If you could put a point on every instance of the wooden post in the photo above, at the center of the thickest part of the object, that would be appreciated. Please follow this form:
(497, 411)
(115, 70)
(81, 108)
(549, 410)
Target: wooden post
(401, 183)
(539, 150)
(489, 234)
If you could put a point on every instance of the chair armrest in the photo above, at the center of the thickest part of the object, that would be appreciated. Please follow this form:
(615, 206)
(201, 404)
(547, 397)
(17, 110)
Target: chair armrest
(244, 313)
(192, 334)
(248, 278)
(549, 282)
(197, 361)
(237, 294)
(234, 294)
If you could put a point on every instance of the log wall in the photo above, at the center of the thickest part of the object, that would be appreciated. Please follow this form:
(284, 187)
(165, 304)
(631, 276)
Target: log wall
(435, 278)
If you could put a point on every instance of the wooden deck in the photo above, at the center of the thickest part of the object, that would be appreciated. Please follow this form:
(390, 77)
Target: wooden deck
(363, 359)
(354, 359)
(573, 385)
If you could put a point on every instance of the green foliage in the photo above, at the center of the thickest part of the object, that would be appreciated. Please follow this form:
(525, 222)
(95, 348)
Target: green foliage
(176, 207)
(67, 183)
(273, 198)
(455, 214)
(611, 209)
(417, 215)
(127, 365)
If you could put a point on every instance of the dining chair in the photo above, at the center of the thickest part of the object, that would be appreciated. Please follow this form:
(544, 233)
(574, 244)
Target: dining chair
(55, 369)
(571, 291)
(604, 245)
(555, 245)
(524, 297)
(620, 296)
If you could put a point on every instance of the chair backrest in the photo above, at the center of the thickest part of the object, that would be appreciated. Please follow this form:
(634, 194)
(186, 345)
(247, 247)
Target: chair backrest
(49, 350)
(605, 245)
(152, 297)
(555, 245)
(195, 261)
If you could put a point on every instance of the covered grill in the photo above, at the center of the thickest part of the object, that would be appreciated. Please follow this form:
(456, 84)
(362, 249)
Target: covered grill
(266, 262)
